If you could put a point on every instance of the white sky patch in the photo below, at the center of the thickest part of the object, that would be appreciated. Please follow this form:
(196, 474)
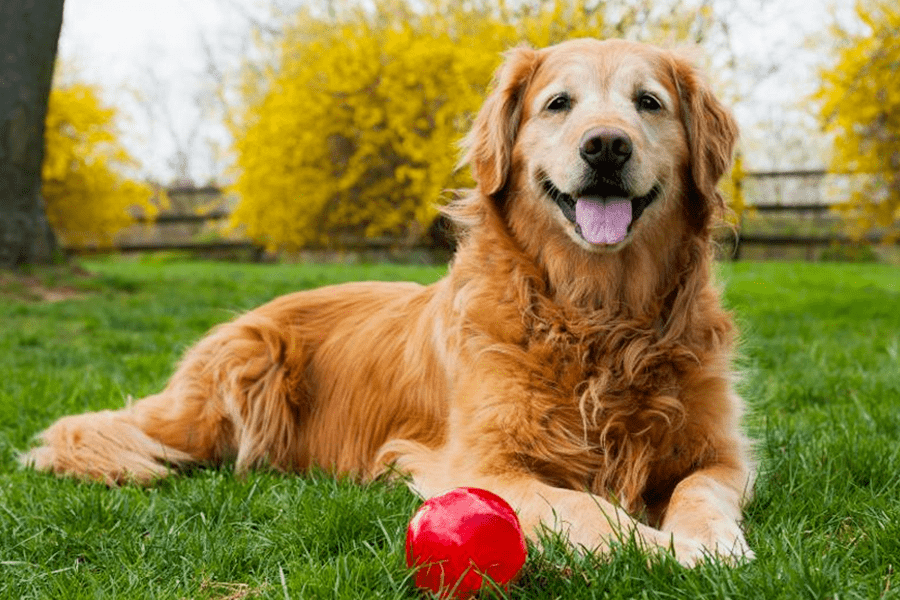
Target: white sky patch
(152, 61)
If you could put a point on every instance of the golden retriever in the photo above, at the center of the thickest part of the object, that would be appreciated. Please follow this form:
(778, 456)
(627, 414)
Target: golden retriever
(575, 360)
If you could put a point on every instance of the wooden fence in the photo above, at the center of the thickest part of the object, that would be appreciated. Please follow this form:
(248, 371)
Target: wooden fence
(791, 214)
(788, 211)
(810, 242)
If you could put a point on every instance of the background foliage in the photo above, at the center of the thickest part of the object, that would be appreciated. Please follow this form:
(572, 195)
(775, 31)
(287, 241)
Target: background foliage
(352, 131)
(86, 195)
(860, 108)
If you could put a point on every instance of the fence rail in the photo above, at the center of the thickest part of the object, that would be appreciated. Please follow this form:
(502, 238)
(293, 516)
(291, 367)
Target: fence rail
(163, 219)
(808, 243)
(128, 248)
(190, 227)
(789, 173)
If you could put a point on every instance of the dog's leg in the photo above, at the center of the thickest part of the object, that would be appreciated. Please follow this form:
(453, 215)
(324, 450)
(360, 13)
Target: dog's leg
(235, 395)
(706, 507)
(583, 519)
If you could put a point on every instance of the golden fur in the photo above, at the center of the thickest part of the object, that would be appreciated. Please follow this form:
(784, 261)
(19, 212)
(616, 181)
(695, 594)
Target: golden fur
(587, 384)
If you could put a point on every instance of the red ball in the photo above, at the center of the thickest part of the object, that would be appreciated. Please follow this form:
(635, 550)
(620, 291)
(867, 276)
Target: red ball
(458, 537)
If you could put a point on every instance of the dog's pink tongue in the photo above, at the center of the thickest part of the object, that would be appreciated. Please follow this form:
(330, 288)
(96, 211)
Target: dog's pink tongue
(603, 221)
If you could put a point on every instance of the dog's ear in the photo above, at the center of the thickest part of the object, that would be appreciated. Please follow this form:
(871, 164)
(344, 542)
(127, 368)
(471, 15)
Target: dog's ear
(712, 134)
(489, 145)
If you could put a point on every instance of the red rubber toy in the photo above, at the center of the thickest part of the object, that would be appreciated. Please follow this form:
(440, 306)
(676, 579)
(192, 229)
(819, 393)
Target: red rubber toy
(457, 538)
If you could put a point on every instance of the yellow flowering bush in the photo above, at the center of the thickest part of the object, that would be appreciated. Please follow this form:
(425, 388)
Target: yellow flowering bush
(87, 199)
(353, 132)
(732, 188)
(860, 107)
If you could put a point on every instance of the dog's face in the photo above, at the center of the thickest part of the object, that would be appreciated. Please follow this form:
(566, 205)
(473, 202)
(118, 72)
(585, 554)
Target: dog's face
(600, 139)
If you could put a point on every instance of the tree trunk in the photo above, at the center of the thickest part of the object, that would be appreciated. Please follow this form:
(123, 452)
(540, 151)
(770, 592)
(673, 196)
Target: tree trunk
(29, 34)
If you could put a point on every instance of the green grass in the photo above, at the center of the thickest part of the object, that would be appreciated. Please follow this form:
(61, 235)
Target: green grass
(821, 377)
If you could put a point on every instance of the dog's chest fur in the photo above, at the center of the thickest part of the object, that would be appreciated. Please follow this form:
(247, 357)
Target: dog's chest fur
(607, 403)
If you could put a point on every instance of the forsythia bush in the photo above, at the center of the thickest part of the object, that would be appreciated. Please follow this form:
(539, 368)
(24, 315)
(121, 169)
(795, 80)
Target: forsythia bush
(860, 107)
(354, 130)
(86, 197)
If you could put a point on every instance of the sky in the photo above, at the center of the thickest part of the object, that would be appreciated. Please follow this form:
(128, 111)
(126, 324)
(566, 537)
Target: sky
(152, 60)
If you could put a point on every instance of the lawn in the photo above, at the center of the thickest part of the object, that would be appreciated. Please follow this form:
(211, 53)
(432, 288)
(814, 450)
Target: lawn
(821, 374)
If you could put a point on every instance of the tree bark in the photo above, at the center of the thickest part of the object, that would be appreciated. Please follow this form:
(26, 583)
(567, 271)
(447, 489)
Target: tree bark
(29, 34)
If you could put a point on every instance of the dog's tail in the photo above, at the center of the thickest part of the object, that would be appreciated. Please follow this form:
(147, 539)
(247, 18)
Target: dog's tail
(108, 446)
(235, 395)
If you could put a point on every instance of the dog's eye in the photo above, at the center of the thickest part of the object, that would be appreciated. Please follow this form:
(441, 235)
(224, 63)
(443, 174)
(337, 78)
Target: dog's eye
(648, 102)
(559, 103)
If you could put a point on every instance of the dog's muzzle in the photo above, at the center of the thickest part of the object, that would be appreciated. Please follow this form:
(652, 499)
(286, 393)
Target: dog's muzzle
(603, 213)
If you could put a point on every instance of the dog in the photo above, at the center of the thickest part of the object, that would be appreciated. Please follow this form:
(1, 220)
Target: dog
(576, 360)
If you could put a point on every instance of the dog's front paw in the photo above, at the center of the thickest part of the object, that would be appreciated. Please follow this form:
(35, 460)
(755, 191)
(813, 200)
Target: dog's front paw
(724, 542)
(733, 548)
(689, 553)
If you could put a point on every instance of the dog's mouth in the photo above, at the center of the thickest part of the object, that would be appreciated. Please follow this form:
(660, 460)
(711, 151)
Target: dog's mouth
(604, 214)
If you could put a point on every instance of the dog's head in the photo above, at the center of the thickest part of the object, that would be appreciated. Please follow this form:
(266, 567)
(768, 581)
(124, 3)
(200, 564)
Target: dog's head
(598, 138)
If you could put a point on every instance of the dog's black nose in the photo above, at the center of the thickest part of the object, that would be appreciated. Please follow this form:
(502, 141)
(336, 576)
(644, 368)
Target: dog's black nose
(605, 147)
